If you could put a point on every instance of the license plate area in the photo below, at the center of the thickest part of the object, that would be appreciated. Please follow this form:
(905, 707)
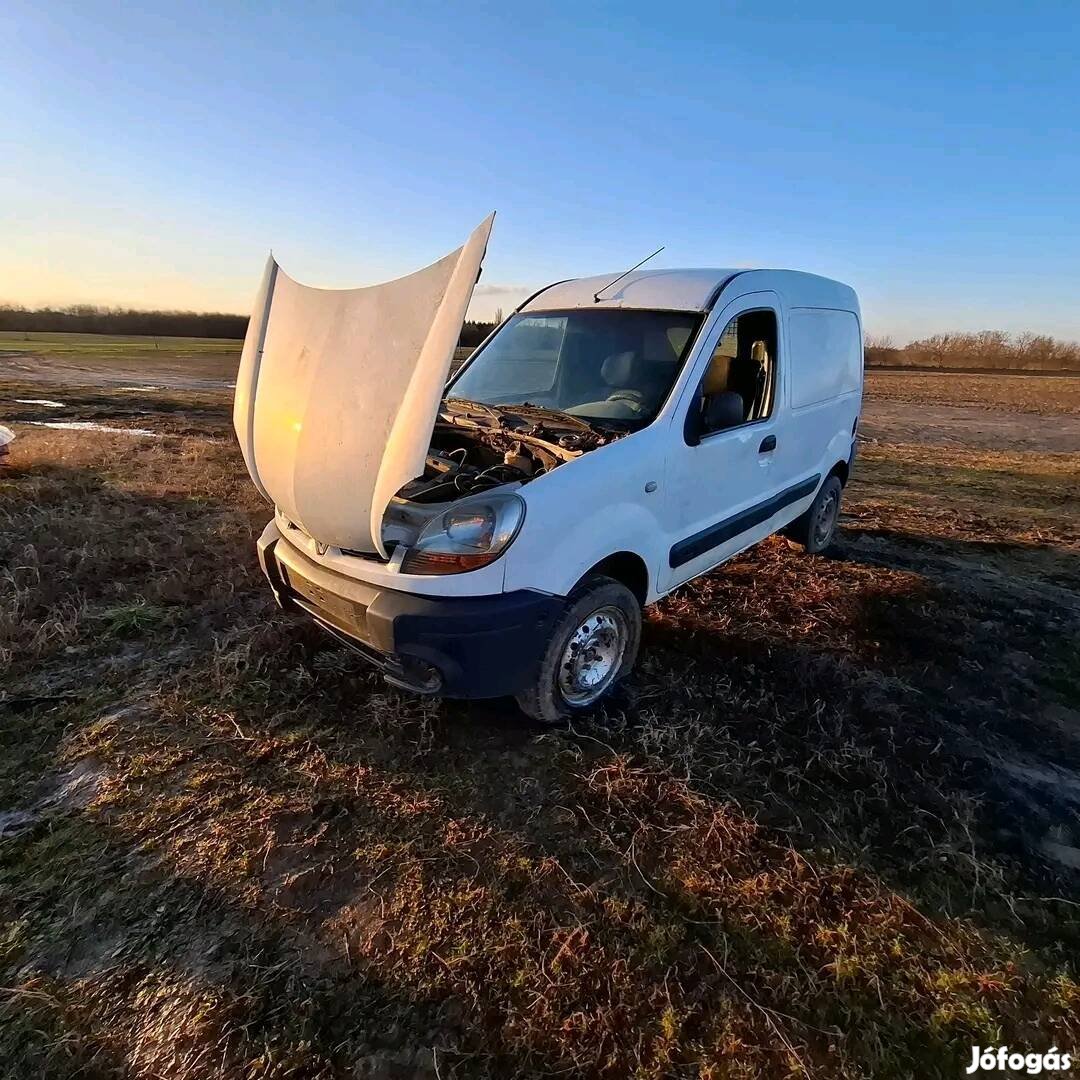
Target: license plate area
(339, 611)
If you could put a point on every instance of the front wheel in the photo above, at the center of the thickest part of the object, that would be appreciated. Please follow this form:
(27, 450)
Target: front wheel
(592, 647)
(816, 528)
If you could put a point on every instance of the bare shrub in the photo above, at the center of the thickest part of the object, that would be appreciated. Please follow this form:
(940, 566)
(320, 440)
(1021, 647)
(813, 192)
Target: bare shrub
(989, 350)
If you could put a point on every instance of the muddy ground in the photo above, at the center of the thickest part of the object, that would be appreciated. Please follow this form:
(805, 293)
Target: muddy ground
(968, 426)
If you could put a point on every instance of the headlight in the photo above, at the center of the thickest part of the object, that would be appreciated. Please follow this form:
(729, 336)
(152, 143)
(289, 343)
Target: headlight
(472, 534)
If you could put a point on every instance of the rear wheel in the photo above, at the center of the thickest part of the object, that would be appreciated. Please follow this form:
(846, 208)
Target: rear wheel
(592, 647)
(816, 528)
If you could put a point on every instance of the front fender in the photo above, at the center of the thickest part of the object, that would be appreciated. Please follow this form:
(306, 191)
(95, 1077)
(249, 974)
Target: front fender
(586, 510)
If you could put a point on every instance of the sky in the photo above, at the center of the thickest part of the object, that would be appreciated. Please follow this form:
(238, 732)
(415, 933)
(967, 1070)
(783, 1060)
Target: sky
(153, 153)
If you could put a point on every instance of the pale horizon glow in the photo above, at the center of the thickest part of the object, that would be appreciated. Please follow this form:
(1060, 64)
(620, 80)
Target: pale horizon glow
(927, 160)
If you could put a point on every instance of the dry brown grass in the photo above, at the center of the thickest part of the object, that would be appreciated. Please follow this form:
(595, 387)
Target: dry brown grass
(812, 838)
(988, 497)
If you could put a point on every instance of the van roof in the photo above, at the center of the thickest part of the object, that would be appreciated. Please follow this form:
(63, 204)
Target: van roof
(688, 289)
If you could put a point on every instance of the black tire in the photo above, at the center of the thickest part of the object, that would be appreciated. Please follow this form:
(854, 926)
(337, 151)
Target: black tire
(596, 597)
(815, 529)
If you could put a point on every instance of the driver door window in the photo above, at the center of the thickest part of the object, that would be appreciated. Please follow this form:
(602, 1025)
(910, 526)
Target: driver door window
(739, 385)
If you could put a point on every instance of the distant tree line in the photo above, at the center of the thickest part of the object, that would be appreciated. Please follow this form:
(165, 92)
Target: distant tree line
(989, 350)
(91, 319)
(472, 333)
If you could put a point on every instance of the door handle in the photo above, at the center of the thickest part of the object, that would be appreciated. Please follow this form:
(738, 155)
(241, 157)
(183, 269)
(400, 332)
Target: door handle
(767, 444)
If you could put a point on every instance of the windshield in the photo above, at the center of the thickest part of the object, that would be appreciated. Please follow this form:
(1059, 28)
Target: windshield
(612, 364)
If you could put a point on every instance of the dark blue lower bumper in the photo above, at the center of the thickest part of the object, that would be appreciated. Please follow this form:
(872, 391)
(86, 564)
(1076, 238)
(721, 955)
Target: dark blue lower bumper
(467, 647)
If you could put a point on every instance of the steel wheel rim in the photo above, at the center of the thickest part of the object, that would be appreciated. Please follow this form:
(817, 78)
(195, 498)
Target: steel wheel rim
(826, 518)
(592, 656)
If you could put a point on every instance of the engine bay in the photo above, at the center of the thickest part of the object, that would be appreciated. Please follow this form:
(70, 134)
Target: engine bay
(466, 459)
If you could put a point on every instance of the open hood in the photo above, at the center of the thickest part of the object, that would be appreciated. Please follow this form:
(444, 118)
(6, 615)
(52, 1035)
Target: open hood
(339, 389)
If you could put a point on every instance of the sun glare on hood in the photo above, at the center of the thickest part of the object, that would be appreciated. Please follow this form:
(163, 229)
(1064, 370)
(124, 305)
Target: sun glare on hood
(360, 374)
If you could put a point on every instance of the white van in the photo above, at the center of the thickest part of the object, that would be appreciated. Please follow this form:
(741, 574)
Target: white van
(607, 443)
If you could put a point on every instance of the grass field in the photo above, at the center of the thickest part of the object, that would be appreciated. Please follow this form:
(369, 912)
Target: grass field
(830, 829)
(107, 349)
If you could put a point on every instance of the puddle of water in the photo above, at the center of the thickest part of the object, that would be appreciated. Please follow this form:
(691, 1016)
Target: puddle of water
(1065, 854)
(77, 788)
(1062, 782)
(141, 389)
(73, 790)
(89, 425)
(40, 401)
(13, 821)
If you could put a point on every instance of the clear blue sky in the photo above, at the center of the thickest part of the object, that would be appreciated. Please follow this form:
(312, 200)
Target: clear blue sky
(926, 154)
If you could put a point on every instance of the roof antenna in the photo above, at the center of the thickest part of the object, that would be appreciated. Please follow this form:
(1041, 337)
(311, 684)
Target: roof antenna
(596, 295)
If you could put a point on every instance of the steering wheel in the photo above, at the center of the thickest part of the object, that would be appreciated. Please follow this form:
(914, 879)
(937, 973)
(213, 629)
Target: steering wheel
(635, 397)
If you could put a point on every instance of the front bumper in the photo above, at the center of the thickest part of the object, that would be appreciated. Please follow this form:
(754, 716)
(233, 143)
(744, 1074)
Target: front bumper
(468, 647)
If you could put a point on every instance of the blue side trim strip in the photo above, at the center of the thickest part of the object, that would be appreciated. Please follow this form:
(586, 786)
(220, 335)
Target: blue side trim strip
(715, 535)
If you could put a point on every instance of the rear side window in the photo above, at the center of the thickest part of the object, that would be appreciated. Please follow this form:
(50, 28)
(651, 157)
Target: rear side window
(826, 355)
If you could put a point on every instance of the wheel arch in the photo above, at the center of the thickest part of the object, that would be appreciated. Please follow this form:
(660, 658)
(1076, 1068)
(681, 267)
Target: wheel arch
(626, 567)
(842, 470)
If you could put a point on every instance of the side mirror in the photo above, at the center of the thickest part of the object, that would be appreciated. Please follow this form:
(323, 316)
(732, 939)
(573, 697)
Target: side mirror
(723, 410)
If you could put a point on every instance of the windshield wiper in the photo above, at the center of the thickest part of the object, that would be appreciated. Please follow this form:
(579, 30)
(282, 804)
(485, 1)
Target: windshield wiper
(556, 416)
(475, 407)
(538, 414)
